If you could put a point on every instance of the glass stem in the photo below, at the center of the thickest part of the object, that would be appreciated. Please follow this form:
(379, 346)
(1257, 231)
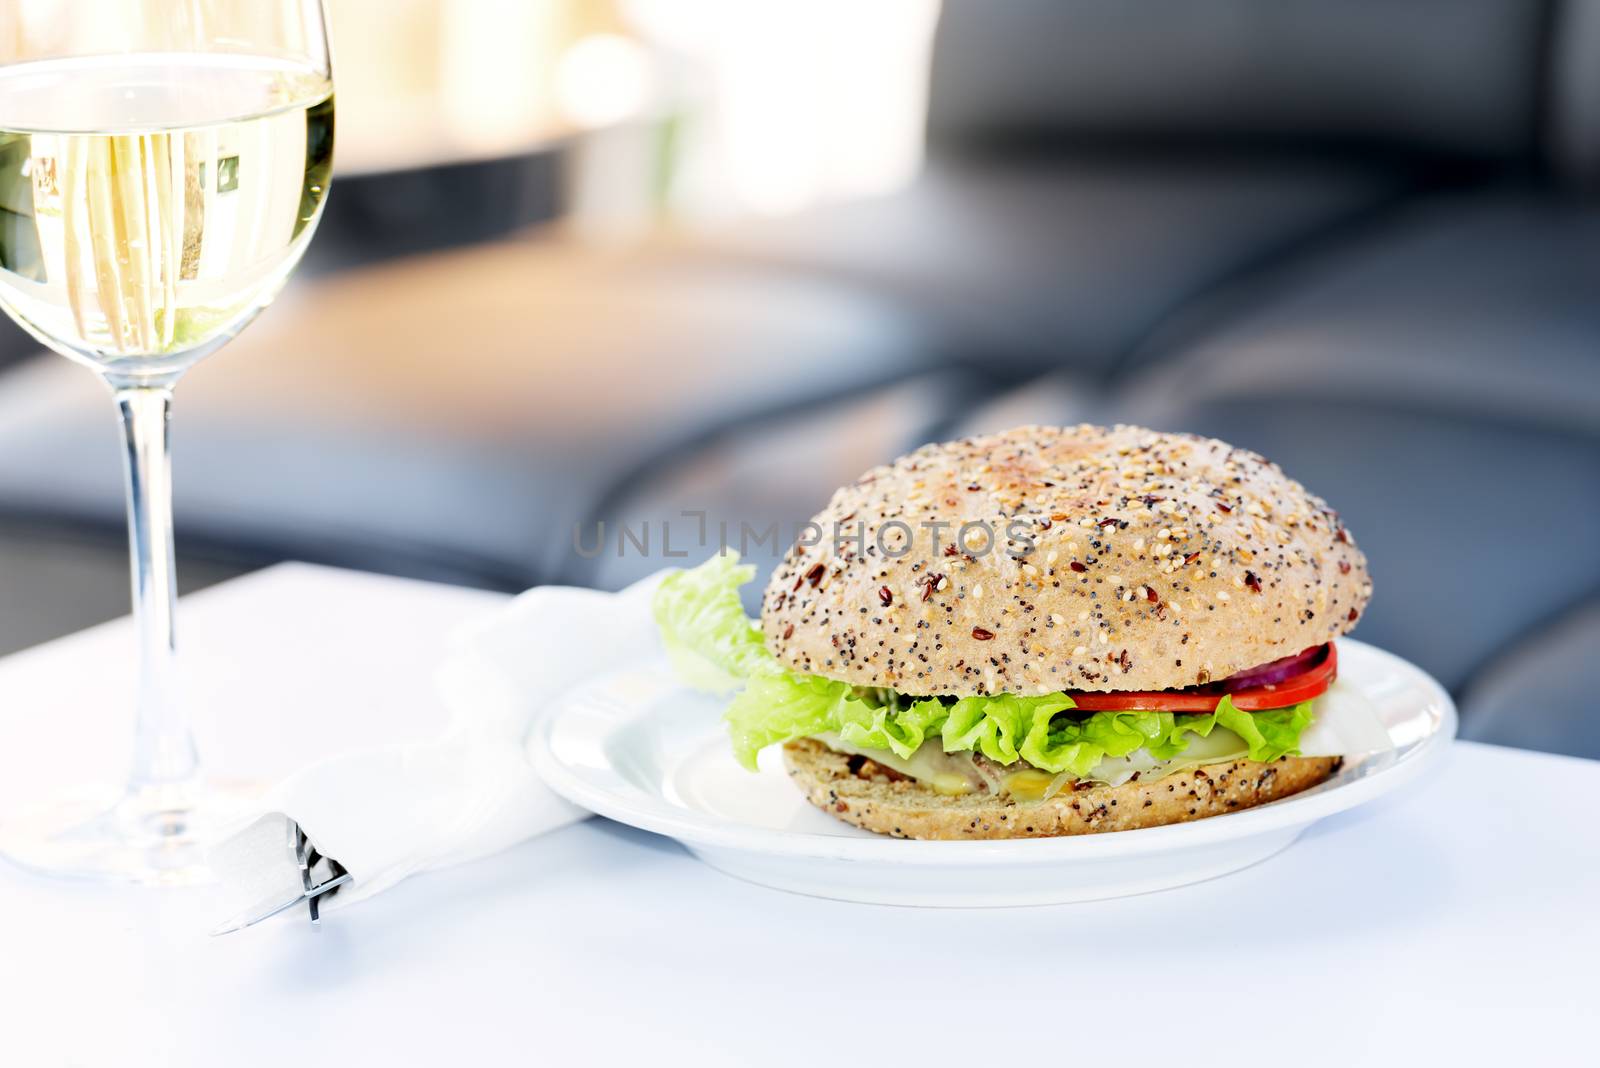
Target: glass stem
(164, 756)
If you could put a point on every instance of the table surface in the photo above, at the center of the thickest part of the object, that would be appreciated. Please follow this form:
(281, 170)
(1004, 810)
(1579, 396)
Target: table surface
(1454, 918)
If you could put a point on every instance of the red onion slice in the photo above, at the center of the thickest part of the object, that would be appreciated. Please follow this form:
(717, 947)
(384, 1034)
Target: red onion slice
(1277, 671)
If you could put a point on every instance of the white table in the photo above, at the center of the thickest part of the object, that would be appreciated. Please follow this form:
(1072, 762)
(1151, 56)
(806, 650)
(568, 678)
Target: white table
(1457, 918)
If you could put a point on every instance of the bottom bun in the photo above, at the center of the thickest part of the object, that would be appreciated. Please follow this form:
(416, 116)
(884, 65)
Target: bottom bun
(859, 791)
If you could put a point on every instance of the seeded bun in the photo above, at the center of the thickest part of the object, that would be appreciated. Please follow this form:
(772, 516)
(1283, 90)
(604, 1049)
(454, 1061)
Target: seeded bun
(858, 791)
(1123, 559)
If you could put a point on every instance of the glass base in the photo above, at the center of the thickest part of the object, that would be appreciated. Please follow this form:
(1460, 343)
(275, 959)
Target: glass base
(155, 836)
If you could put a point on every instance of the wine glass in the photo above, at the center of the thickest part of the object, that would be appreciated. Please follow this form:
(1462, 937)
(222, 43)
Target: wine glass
(163, 164)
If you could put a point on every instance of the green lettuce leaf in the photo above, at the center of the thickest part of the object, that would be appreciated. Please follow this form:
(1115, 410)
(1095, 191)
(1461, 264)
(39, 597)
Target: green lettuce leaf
(715, 646)
(776, 708)
(1076, 745)
(1270, 734)
(712, 643)
(1000, 726)
(900, 730)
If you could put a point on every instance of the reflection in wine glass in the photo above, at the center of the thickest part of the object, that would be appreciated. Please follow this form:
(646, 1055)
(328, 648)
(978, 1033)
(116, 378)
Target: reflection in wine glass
(162, 167)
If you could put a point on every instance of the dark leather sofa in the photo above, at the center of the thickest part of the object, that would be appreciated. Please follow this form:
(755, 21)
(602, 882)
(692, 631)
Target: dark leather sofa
(1356, 237)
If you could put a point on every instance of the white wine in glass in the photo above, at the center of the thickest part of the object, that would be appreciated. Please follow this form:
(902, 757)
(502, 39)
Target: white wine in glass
(163, 164)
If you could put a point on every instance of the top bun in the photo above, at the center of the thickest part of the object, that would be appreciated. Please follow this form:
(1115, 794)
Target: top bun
(1120, 559)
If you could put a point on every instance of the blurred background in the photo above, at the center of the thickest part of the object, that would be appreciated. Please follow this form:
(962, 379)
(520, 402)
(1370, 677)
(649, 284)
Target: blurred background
(589, 265)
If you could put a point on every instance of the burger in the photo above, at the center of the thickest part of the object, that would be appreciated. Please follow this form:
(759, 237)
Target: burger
(1043, 632)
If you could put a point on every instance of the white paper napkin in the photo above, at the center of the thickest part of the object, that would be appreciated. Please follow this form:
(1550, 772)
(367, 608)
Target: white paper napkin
(394, 810)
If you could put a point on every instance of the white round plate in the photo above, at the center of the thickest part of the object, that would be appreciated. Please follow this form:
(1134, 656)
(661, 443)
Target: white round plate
(639, 748)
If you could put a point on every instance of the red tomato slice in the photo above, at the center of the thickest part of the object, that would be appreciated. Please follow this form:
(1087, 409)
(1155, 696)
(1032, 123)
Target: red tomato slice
(1291, 691)
(1146, 701)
